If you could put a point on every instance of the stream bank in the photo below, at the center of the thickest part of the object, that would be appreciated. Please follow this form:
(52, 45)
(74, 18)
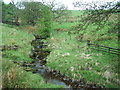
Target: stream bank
(38, 65)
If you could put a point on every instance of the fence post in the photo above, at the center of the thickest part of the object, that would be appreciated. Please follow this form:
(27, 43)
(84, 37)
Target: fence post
(69, 33)
(98, 47)
(108, 50)
(88, 42)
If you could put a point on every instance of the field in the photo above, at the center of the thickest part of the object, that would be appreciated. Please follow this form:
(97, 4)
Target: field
(75, 59)
(69, 53)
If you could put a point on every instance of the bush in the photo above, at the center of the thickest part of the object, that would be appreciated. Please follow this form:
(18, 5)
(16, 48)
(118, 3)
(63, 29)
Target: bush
(44, 28)
(45, 22)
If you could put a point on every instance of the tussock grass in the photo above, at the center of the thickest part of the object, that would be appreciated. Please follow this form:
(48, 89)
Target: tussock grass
(15, 77)
(10, 37)
(76, 60)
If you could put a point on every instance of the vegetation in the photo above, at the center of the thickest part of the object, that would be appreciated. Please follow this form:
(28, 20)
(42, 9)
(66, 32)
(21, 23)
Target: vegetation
(77, 61)
(13, 76)
(16, 77)
(67, 38)
(74, 58)
(44, 23)
(13, 37)
(8, 13)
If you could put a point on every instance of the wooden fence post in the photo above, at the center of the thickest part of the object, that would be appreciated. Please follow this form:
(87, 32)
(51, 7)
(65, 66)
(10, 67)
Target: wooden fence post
(109, 50)
(69, 33)
(98, 47)
(88, 42)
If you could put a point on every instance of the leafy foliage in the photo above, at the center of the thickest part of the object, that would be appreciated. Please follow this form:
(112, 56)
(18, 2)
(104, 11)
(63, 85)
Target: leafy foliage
(97, 14)
(31, 12)
(58, 9)
(44, 23)
(7, 13)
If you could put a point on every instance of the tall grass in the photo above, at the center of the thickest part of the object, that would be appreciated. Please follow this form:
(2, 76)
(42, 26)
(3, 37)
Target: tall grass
(15, 77)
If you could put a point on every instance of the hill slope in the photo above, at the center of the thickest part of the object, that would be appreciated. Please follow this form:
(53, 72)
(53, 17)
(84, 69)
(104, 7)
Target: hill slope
(14, 76)
(72, 56)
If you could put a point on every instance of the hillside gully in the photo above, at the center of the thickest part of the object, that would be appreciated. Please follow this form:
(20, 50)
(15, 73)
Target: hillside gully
(38, 65)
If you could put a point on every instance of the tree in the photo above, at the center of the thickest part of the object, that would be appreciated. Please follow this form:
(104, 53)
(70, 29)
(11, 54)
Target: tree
(31, 12)
(10, 13)
(7, 13)
(58, 9)
(97, 14)
(17, 11)
(45, 21)
(39, 14)
(0, 11)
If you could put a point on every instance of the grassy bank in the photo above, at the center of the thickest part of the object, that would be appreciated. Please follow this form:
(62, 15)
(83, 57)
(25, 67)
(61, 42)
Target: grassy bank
(74, 58)
(70, 53)
(12, 37)
(14, 76)
(77, 61)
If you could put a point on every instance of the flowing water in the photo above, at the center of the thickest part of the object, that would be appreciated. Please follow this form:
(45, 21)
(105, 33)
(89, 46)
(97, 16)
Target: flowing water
(39, 56)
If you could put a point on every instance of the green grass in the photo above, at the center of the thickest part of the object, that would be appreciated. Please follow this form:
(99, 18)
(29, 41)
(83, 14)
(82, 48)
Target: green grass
(78, 63)
(75, 13)
(11, 36)
(72, 57)
(64, 25)
(14, 76)
(102, 36)
(76, 60)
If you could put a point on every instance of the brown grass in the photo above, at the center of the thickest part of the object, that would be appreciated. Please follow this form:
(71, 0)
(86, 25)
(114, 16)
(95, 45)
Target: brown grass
(12, 76)
(61, 30)
(31, 29)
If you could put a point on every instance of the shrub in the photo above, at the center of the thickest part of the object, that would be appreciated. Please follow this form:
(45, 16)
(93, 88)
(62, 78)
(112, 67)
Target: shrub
(44, 23)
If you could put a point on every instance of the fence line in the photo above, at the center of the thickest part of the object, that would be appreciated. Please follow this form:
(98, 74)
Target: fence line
(104, 48)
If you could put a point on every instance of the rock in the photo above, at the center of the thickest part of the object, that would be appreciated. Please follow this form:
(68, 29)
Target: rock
(28, 69)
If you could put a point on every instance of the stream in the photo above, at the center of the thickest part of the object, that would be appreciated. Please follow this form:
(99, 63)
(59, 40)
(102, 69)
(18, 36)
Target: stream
(40, 56)
(38, 65)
